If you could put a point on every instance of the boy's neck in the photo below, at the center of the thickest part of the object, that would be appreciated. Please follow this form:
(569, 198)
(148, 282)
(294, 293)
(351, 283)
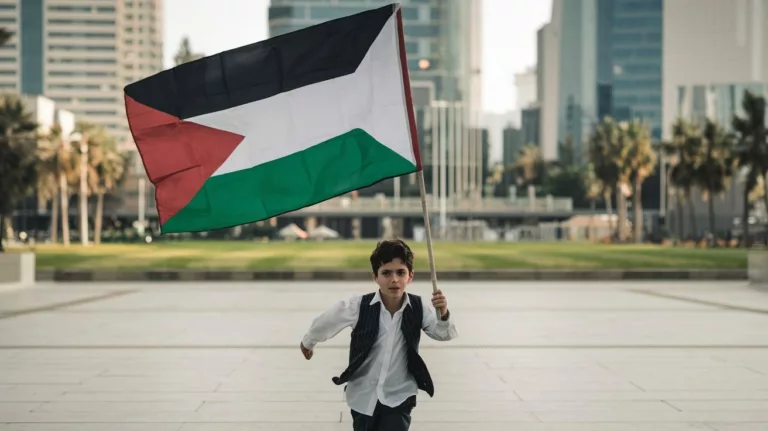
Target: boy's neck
(392, 304)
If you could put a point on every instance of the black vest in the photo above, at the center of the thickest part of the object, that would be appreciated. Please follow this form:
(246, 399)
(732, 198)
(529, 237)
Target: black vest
(367, 330)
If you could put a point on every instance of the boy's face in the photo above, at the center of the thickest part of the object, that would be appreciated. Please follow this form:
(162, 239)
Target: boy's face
(392, 278)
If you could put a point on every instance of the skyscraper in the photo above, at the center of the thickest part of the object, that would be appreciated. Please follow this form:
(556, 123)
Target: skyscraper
(637, 58)
(81, 53)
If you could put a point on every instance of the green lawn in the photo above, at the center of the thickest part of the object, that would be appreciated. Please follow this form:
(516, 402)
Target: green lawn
(354, 255)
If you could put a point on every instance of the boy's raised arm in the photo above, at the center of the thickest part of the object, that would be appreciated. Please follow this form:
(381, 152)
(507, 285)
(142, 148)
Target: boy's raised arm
(440, 330)
(332, 321)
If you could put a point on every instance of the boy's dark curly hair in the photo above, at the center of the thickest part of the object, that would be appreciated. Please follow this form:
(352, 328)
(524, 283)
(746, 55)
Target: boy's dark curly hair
(386, 251)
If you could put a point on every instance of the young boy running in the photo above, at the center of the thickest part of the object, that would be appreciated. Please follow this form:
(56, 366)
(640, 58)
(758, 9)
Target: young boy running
(385, 370)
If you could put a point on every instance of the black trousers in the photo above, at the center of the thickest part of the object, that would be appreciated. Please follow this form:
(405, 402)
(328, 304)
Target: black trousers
(385, 418)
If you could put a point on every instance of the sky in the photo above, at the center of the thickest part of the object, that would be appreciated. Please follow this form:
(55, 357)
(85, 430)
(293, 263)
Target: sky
(509, 36)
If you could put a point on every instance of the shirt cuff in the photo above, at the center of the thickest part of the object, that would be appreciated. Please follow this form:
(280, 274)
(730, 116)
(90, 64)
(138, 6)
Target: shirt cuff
(446, 322)
(308, 343)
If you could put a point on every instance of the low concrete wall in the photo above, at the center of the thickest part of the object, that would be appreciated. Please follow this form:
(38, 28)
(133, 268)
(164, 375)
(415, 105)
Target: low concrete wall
(76, 275)
(17, 268)
(757, 267)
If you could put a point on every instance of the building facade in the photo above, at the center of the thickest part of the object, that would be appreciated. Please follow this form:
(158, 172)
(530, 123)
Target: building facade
(637, 36)
(525, 87)
(531, 125)
(81, 53)
(548, 83)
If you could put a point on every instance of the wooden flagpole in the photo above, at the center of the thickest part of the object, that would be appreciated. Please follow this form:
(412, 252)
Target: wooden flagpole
(428, 232)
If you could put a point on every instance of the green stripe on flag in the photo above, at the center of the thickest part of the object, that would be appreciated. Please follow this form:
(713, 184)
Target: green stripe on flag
(339, 165)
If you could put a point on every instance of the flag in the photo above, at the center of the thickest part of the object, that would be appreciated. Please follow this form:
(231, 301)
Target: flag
(278, 125)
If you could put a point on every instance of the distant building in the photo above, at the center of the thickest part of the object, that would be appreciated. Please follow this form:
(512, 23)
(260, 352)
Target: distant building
(513, 144)
(81, 53)
(531, 126)
(548, 83)
(525, 85)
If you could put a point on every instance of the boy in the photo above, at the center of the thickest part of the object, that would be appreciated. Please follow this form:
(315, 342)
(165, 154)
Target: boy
(385, 370)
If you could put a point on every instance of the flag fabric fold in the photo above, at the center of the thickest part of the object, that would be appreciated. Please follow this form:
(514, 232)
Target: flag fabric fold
(278, 125)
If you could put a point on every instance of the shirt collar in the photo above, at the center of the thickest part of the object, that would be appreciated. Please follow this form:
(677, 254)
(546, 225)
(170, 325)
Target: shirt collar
(377, 298)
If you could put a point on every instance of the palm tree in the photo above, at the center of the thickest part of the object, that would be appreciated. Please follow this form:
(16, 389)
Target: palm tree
(686, 151)
(17, 155)
(603, 152)
(638, 160)
(752, 149)
(57, 164)
(716, 169)
(107, 168)
(596, 189)
(48, 176)
(185, 54)
(529, 166)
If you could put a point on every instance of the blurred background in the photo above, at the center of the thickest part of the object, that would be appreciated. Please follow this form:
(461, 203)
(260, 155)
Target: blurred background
(636, 121)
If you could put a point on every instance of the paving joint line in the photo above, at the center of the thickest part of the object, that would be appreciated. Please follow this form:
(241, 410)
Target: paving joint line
(59, 305)
(699, 301)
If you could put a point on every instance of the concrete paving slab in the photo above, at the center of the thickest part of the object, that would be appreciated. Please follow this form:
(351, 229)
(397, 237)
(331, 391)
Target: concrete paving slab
(598, 356)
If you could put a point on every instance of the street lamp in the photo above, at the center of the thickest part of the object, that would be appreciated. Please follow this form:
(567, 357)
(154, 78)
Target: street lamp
(83, 139)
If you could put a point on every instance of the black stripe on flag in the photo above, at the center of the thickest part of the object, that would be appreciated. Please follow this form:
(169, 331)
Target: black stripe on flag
(264, 69)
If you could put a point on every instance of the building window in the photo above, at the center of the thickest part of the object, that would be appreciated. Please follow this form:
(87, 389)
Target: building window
(326, 13)
(62, 8)
(81, 21)
(73, 73)
(277, 12)
(103, 48)
(82, 35)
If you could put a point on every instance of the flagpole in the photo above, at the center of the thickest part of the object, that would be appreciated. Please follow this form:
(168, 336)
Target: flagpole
(428, 232)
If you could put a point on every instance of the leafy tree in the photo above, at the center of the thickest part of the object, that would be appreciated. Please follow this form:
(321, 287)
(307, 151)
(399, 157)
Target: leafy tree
(638, 161)
(716, 168)
(17, 156)
(752, 149)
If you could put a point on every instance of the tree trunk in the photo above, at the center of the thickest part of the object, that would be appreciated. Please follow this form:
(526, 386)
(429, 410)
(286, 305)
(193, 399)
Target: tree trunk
(64, 209)
(712, 219)
(765, 199)
(2, 232)
(692, 215)
(638, 204)
(680, 215)
(745, 219)
(621, 203)
(55, 217)
(609, 210)
(98, 218)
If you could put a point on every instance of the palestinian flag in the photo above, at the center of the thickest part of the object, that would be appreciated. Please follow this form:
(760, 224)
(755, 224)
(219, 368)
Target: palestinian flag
(275, 126)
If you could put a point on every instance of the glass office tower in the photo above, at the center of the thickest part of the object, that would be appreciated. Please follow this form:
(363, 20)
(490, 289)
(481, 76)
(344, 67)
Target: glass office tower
(637, 60)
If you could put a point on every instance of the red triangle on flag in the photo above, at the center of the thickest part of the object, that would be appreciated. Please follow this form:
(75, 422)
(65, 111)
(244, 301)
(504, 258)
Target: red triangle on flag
(179, 156)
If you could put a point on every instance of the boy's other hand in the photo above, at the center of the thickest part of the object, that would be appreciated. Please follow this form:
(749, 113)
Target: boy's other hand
(439, 302)
(306, 352)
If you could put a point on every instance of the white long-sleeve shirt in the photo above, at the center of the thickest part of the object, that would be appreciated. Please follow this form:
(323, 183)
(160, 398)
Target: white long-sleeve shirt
(384, 375)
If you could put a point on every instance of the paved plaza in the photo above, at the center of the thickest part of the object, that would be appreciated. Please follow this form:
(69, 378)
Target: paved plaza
(587, 356)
